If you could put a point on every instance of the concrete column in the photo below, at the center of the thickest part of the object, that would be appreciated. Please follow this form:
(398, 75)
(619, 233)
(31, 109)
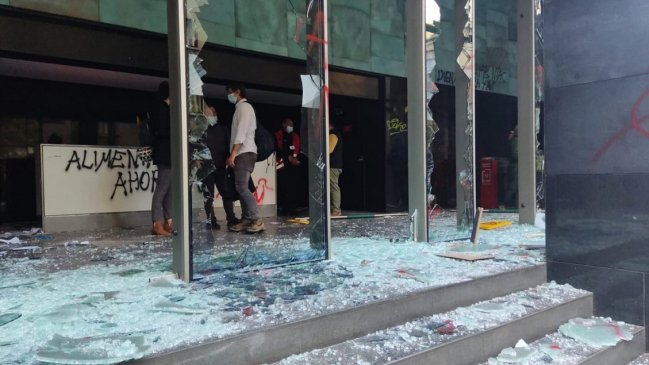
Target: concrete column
(416, 73)
(180, 192)
(526, 114)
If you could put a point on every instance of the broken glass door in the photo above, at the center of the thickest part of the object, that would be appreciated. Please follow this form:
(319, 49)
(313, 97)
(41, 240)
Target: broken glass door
(539, 98)
(496, 105)
(284, 241)
(449, 119)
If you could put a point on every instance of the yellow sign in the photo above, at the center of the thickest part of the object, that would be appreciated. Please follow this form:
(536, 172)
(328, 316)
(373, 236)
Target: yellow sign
(494, 224)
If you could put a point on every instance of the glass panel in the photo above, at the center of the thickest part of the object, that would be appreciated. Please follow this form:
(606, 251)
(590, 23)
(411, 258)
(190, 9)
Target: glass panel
(433, 32)
(284, 241)
(466, 176)
(448, 49)
(538, 62)
(496, 105)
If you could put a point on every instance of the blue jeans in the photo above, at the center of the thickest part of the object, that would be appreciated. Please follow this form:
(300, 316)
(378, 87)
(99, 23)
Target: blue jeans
(161, 202)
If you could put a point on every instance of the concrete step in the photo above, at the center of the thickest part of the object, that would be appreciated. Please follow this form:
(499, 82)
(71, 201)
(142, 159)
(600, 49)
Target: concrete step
(274, 343)
(641, 360)
(557, 348)
(481, 331)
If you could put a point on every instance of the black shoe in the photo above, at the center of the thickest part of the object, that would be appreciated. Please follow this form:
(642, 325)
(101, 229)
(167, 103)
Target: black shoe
(233, 222)
(214, 224)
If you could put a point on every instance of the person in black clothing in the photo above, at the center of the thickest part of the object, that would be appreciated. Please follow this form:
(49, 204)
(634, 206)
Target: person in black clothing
(335, 168)
(287, 142)
(218, 141)
(161, 133)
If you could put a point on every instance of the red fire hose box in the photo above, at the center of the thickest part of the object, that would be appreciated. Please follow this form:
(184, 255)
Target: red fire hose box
(488, 183)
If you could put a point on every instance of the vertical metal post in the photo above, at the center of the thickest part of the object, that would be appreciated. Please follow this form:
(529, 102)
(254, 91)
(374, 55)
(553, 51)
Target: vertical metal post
(325, 122)
(416, 73)
(526, 114)
(179, 146)
(317, 128)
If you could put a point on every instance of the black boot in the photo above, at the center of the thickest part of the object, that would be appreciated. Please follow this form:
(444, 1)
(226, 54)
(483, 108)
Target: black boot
(214, 223)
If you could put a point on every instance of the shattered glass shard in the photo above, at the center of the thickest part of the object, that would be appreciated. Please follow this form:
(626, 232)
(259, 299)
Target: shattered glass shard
(171, 307)
(489, 307)
(92, 350)
(8, 318)
(596, 332)
(129, 272)
(517, 355)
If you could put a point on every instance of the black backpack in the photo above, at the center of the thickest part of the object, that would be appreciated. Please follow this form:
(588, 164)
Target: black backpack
(264, 140)
(265, 143)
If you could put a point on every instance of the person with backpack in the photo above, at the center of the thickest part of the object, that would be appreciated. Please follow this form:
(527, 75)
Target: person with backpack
(243, 156)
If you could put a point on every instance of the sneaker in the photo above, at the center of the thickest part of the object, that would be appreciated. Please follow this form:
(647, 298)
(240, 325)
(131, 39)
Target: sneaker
(336, 213)
(214, 223)
(241, 226)
(256, 226)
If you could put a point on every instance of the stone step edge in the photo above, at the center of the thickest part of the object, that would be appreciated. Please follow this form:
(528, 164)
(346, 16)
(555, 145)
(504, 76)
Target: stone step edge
(477, 348)
(640, 360)
(622, 353)
(268, 345)
(638, 335)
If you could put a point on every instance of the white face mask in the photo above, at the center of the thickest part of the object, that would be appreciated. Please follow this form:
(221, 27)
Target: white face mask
(289, 129)
(212, 119)
(232, 98)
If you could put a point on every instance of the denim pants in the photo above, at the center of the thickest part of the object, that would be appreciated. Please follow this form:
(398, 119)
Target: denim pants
(244, 165)
(161, 202)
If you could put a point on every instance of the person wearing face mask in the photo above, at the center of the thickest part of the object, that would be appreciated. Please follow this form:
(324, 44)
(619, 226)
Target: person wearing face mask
(288, 174)
(243, 156)
(217, 140)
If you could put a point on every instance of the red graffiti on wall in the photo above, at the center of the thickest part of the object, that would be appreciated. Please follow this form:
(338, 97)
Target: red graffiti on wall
(260, 190)
(636, 125)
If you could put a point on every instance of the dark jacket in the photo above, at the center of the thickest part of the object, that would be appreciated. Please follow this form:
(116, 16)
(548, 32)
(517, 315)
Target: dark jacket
(336, 157)
(288, 144)
(218, 141)
(161, 132)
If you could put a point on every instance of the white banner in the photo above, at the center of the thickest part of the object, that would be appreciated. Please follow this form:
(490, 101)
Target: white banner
(97, 179)
(92, 179)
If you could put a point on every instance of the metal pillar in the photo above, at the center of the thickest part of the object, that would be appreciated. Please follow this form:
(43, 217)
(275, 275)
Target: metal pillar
(416, 73)
(526, 114)
(316, 128)
(325, 125)
(179, 148)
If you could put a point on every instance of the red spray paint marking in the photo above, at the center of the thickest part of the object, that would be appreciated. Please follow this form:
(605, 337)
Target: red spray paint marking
(636, 124)
(617, 330)
(315, 39)
(262, 185)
